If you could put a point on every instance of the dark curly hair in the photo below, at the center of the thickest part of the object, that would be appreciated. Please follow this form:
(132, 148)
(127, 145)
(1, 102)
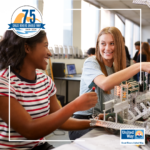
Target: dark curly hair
(12, 48)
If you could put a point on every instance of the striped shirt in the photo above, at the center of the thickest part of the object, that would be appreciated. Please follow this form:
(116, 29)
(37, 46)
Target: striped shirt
(33, 95)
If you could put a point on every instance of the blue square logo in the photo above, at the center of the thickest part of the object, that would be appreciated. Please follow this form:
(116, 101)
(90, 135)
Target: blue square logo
(127, 134)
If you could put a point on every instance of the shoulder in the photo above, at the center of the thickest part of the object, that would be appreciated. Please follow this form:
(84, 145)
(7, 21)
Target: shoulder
(4, 81)
(4, 76)
(43, 77)
(91, 64)
(47, 82)
(135, 56)
(40, 74)
(91, 60)
(50, 85)
(4, 73)
(143, 55)
(137, 53)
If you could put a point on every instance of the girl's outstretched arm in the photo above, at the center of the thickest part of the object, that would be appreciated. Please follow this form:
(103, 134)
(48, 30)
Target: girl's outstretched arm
(107, 83)
(21, 121)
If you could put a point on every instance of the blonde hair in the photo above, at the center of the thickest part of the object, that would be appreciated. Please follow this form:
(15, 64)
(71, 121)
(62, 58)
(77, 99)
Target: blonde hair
(119, 55)
(145, 50)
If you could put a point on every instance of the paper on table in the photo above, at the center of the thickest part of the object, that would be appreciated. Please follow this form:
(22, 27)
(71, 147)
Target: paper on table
(104, 142)
(71, 146)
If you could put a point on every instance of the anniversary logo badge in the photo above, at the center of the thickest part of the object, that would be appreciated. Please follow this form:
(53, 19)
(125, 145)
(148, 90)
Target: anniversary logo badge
(26, 21)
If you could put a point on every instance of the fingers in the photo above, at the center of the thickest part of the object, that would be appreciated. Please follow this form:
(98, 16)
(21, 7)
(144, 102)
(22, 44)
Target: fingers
(92, 105)
(93, 100)
(92, 93)
(92, 96)
(87, 101)
(101, 116)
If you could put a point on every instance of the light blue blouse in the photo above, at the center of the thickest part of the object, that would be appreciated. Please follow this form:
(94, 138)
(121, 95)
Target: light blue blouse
(92, 69)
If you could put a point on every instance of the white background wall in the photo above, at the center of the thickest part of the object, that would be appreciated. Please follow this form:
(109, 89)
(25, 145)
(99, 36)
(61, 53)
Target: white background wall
(77, 24)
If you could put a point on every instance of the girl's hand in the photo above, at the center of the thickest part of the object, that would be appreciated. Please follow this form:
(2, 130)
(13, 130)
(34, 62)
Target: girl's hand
(100, 116)
(85, 101)
(145, 66)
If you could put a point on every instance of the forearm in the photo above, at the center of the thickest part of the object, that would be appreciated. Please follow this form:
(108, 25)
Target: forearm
(76, 124)
(45, 125)
(115, 79)
(34, 129)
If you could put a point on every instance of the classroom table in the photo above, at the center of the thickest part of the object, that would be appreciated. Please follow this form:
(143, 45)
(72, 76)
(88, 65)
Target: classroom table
(99, 139)
(67, 79)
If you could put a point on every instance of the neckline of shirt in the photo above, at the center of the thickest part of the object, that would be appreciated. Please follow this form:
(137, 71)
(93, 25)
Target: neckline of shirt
(24, 79)
(105, 65)
(108, 67)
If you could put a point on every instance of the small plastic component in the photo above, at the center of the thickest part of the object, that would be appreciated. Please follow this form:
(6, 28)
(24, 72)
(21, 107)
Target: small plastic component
(93, 114)
(93, 89)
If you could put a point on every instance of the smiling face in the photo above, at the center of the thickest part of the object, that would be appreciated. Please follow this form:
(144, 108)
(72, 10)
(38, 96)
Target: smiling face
(110, 49)
(106, 46)
(38, 56)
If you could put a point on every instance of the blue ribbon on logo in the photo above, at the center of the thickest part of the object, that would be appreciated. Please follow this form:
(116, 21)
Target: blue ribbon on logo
(26, 25)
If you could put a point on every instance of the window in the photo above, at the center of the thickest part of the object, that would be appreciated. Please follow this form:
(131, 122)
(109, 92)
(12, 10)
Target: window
(129, 36)
(7, 8)
(58, 20)
(136, 36)
(89, 26)
(107, 18)
(120, 25)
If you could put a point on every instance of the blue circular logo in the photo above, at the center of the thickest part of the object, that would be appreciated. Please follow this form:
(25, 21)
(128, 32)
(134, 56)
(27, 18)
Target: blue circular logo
(26, 21)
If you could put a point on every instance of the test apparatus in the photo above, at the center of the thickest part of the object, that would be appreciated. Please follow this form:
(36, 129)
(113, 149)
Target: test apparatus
(130, 107)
